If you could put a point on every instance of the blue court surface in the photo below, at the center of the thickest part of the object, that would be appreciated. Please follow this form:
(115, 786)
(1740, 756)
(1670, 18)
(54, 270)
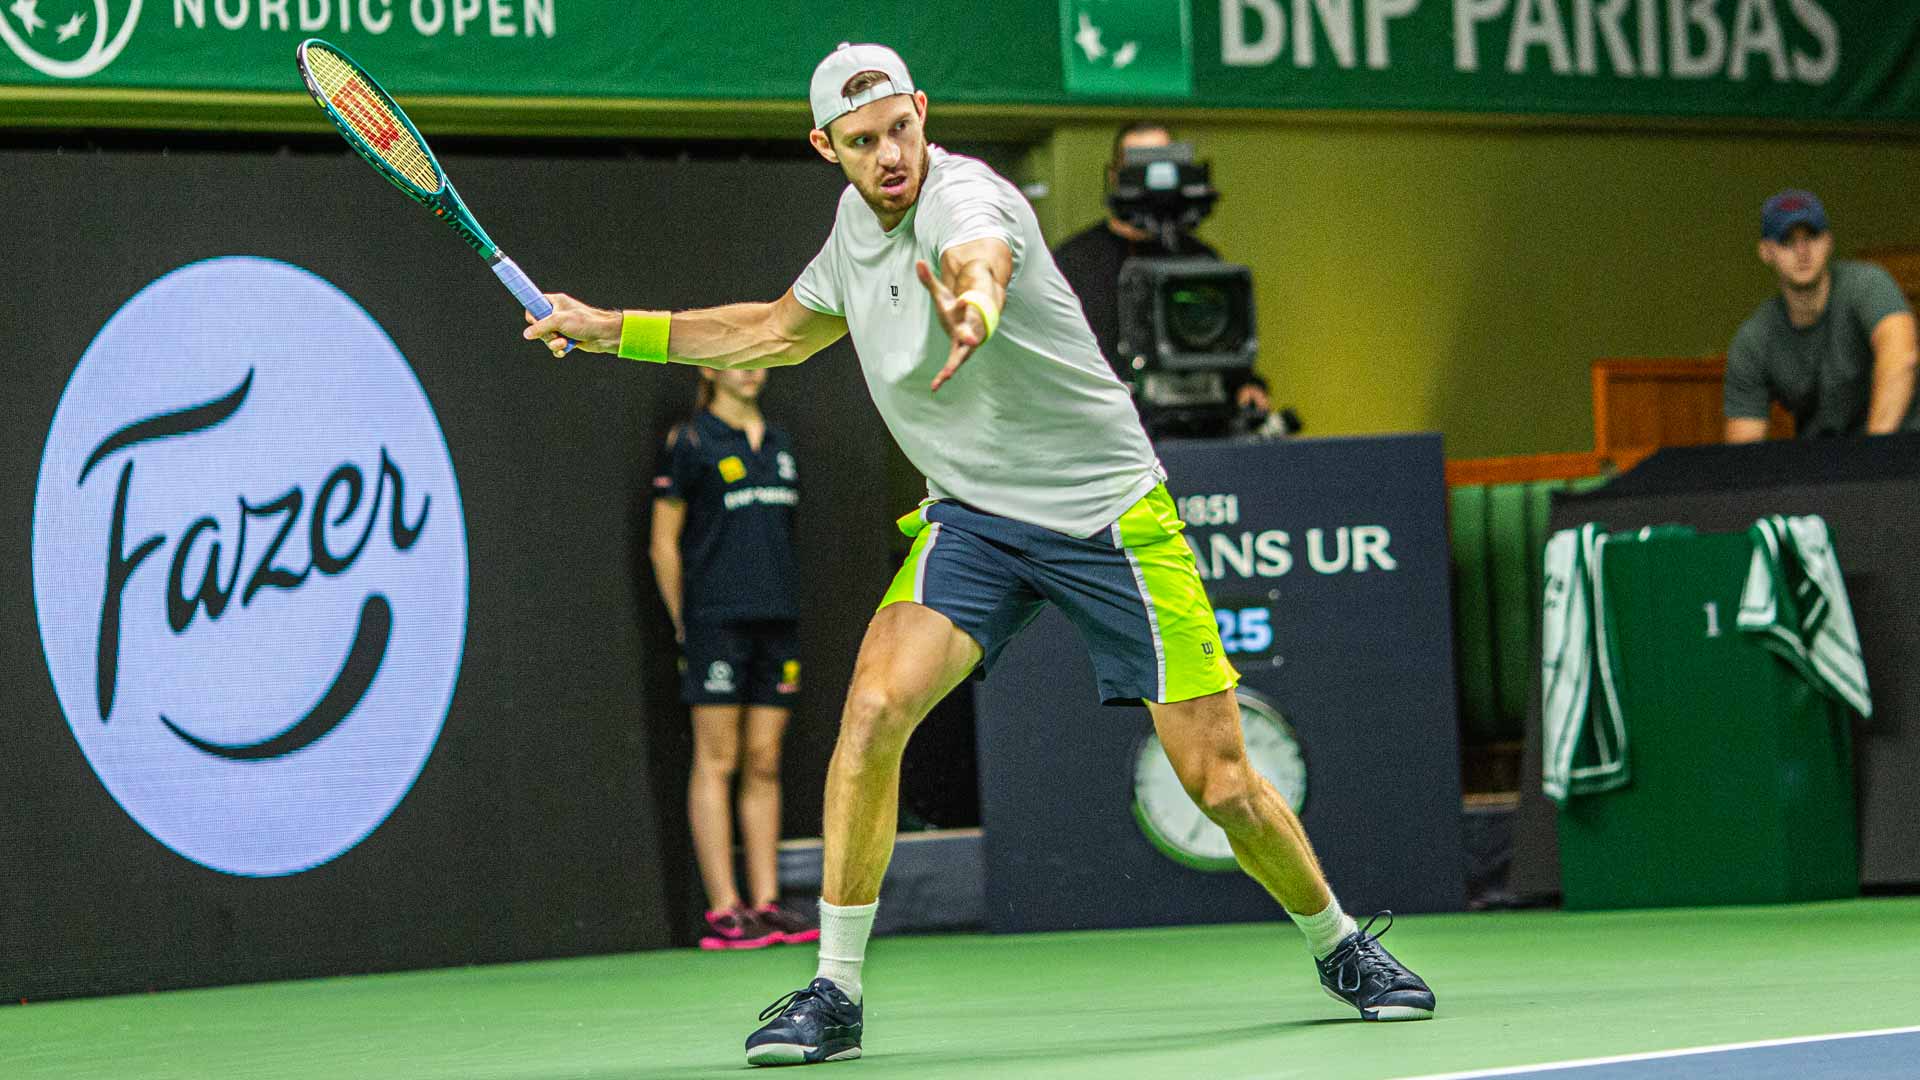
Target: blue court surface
(1892, 1054)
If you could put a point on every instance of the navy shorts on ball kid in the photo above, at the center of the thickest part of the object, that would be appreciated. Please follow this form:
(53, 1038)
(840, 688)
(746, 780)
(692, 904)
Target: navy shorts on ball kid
(740, 663)
(1132, 590)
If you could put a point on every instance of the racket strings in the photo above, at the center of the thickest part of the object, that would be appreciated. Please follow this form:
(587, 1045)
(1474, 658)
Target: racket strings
(364, 109)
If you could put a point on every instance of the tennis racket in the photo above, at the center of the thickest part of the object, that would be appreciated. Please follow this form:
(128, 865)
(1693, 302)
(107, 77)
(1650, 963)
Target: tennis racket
(381, 134)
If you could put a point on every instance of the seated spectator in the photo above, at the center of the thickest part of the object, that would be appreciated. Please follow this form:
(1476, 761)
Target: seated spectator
(1836, 348)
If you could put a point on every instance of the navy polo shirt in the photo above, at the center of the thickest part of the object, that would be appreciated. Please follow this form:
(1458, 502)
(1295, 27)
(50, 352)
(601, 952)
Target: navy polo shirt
(737, 547)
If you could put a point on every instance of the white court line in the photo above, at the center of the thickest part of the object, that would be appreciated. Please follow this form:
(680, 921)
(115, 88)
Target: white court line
(1522, 1070)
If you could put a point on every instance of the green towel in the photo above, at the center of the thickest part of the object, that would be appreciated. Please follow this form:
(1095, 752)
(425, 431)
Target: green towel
(1584, 735)
(1796, 602)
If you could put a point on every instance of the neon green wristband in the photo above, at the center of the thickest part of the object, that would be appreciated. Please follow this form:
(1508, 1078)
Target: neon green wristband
(643, 336)
(990, 314)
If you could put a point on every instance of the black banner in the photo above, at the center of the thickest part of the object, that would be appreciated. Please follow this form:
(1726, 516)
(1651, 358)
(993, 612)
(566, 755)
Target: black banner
(330, 641)
(1327, 567)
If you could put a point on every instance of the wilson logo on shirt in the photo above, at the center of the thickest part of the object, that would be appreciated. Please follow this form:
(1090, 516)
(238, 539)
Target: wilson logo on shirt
(732, 469)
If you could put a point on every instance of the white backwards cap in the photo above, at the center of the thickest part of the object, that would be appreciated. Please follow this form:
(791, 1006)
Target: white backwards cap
(844, 63)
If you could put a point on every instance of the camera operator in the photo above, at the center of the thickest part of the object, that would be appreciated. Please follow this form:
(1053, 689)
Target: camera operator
(1091, 260)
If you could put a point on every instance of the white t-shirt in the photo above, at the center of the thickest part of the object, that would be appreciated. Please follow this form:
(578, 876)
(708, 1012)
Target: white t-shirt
(1034, 426)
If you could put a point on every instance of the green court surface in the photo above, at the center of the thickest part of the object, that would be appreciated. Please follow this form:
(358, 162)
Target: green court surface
(1191, 1003)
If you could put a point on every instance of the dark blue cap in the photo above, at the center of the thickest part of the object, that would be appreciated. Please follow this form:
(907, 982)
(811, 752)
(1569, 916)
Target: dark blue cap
(1789, 208)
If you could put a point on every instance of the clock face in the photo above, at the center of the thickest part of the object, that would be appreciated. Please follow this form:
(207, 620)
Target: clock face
(1171, 820)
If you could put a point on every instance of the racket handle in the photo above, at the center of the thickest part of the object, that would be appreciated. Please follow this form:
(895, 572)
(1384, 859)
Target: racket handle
(522, 288)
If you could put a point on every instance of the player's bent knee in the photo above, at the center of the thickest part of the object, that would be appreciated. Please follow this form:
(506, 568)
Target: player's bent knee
(874, 706)
(876, 720)
(1235, 813)
(1227, 797)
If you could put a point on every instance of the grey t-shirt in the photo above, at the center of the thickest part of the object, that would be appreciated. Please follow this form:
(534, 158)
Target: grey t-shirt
(1822, 374)
(1035, 426)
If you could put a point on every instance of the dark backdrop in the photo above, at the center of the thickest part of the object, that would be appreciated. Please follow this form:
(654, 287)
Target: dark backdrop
(549, 818)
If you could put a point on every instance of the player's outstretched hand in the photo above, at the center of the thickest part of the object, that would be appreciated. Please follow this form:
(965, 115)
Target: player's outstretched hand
(961, 320)
(590, 328)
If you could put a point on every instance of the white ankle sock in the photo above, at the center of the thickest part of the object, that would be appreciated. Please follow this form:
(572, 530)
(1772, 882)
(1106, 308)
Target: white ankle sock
(843, 944)
(1326, 929)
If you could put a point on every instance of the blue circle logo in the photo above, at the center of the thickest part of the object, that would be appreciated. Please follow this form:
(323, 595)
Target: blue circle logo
(250, 566)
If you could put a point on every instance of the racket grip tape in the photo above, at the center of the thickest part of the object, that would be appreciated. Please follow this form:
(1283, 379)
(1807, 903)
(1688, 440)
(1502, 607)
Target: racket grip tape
(522, 288)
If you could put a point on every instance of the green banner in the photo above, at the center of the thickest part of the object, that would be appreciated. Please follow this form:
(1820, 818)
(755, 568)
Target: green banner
(665, 49)
(1803, 59)
(1819, 60)
(1127, 48)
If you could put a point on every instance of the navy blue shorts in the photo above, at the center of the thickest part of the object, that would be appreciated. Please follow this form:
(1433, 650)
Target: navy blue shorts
(1132, 591)
(740, 663)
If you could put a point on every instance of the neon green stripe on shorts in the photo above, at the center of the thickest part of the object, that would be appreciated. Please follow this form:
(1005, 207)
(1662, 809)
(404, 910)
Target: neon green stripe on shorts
(1187, 638)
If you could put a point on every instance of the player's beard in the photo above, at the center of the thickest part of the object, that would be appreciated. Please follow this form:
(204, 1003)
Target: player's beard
(880, 202)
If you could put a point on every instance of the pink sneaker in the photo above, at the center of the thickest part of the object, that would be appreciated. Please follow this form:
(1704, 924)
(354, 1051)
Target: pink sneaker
(793, 927)
(738, 929)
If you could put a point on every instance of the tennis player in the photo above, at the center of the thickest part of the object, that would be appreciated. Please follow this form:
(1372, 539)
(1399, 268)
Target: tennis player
(1042, 488)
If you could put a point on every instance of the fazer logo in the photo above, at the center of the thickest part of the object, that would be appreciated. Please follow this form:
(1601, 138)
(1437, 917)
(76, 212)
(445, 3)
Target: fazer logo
(67, 39)
(250, 566)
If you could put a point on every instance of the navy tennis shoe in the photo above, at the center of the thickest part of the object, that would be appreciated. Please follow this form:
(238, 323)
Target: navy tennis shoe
(1360, 973)
(808, 1026)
